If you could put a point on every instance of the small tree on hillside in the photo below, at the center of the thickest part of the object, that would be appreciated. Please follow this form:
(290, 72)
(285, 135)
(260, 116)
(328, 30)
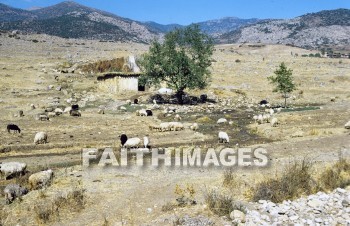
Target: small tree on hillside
(283, 80)
(182, 61)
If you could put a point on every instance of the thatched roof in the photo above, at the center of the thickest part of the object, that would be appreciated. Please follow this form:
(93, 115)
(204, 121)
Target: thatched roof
(110, 75)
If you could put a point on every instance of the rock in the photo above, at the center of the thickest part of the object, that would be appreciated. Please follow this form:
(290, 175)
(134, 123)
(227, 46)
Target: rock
(346, 202)
(237, 216)
(314, 203)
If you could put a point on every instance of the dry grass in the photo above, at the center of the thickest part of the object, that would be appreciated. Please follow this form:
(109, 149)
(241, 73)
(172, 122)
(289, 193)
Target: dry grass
(221, 204)
(204, 119)
(296, 180)
(338, 175)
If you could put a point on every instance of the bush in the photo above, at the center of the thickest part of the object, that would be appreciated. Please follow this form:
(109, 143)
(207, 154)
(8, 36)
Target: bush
(221, 204)
(338, 175)
(295, 181)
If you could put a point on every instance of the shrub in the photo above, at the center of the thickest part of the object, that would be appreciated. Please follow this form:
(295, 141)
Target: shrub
(221, 204)
(295, 181)
(338, 175)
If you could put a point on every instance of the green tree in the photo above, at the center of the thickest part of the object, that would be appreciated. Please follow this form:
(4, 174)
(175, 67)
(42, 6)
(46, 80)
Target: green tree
(283, 81)
(182, 61)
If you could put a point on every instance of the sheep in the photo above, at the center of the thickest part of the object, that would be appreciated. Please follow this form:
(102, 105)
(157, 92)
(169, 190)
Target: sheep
(132, 143)
(271, 111)
(176, 126)
(136, 101)
(75, 107)
(164, 126)
(13, 127)
(263, 102)
(20, 113)
(223, 137)
(142, 112)
(40, 138)
(75, 113)
(260, 119)
(128, 102)
(101, 111)
(43, 117)
(13, 191)
(32, 106)
(255, 117)
(149, 112)
(177, 117)
(11, 168)
(49, 109)
(221, 120)
(67, 109)
(51, 114)
(274, 122)
(194, 126)
(347, 125)
(58, 111)
(123, 139)
(40, 179)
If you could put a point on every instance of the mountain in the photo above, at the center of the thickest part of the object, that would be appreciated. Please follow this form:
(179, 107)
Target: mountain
(311, 31)
(161, 28)
(72, 20)
(8, 13)
(218, 27)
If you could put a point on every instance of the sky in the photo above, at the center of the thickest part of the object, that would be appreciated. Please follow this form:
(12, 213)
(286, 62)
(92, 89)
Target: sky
(191, 11)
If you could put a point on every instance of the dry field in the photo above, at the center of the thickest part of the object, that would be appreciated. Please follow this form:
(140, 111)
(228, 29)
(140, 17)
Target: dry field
(135, 196)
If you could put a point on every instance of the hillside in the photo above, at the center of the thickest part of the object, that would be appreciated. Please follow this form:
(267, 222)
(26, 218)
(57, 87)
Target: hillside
(315, 30)
(70, 19)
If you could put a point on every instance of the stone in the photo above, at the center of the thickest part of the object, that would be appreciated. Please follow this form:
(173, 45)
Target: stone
(237, 215)
(314, 203)
(347, 125)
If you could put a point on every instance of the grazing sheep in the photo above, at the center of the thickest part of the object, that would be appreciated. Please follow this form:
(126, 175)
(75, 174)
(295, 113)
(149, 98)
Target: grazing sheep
(223, 137)
(12, 168)
(40, 138)
(67, 109)
(274, 122)
(142, 112)
(149, 112)
(74, 113)
(177, 117)
(123, 139)
(132, 143)
(13, 191)
(75, 107)
(128, 102)
(136, 101)
(255, 117)
(194, 126)
(260, 119)
(263, 102)
(20, 113)
(279, 110)
(101, 111)
(176, 126)
(49, 109)
(58, 111)
(51, 114)
(347, 125)
(13, 127)
(40, 179)
(271, 111)
(43, 117)
(146, 141)
(221, 120)
(32, 106)
(164, 126)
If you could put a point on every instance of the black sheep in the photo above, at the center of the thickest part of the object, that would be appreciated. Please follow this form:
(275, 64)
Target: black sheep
(136, 101)
(75, 107)
(13, 127)
(123, 139)
(263, 102)
(74, 113)
(149, 113)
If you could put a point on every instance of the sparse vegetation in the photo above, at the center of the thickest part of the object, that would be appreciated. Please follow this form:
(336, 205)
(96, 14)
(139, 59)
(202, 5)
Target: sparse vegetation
(336, 176)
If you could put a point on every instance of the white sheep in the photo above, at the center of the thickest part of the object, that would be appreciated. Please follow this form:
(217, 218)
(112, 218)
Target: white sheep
(260, 119)
(132, 143)
(177, 117)
(255, 117)
(128, 102)
(274, 122)
(271, 111)
(146, 141)
(13, 191)
(11, 168)
(347, 125)
(164, 126)
(67, 109)
(40, 138)
(221, 120)
(223, 137)
(58, 111)
(40, 179)
(194, 126)
(176, 126)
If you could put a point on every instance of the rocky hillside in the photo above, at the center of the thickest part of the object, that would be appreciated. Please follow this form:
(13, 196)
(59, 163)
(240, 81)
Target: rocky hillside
(315, 30)
(218, 27)
(69, 19)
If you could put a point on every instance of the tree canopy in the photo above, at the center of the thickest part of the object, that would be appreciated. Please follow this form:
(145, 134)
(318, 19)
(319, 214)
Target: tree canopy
(283, 81)
(182, 60)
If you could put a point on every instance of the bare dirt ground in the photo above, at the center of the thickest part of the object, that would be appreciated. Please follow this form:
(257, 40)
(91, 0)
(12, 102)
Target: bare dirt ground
(135, 196)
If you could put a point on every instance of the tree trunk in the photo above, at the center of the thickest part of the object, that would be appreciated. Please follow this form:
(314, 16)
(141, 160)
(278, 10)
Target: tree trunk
(179, 95)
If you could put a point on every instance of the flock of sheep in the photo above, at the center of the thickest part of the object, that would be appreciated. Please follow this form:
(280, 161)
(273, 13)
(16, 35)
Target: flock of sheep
(36, 181)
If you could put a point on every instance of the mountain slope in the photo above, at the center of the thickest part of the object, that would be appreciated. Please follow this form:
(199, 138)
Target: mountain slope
(70, 19)
(315, 30)
(8, 13)
(218, 27)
